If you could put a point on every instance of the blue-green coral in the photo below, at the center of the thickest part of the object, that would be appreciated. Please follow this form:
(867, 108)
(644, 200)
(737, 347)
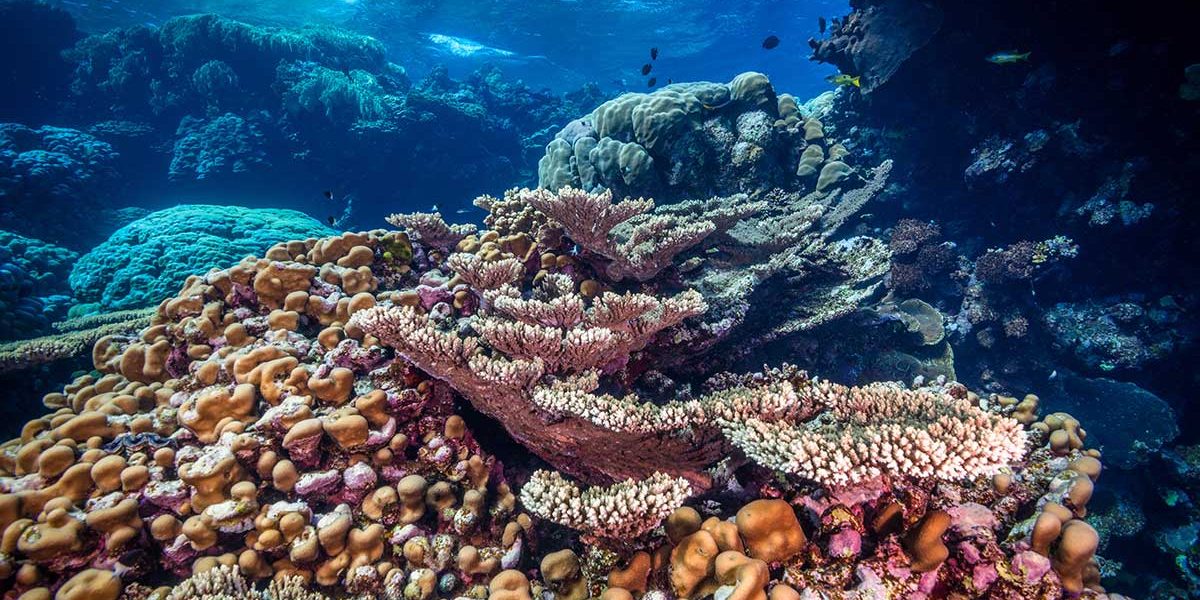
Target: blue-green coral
(149, 259)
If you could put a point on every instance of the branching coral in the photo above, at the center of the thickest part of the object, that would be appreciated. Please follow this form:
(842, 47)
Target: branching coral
(883, 430)
(431, 229)
(624, 510)
(589, 219)
(500, 369)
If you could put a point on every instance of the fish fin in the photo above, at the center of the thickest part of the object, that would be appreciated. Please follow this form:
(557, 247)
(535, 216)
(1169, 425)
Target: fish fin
(855, 80)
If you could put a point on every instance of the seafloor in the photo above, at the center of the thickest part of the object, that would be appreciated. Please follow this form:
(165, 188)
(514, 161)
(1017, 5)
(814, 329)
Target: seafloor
(931, 336)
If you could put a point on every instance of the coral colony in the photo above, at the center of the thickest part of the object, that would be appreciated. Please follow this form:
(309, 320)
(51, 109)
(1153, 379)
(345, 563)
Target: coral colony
(293, 427)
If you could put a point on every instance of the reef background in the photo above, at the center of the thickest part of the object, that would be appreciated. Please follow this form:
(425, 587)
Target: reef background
(1040, 212)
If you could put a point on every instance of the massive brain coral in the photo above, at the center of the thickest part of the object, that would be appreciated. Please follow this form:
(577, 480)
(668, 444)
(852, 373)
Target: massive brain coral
(143, 261)
(291, 427)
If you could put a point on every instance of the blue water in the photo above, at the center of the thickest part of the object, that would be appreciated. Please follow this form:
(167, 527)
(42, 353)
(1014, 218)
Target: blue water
(558, 45)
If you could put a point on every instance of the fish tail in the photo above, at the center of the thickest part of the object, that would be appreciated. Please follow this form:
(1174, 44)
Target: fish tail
(1024, 56)
(855, 80)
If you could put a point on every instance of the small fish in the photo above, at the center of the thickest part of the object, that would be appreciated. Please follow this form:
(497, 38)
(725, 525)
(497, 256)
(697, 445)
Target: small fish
(844, 79)
(1053, 374)
(1118, 48)
(646, 69)
(331, 219)
(434, 208)
(1007, 58)
(669, 81)
(329, 194)
(654, 53)
(821, 25)
(461, 211)
(771, 42)
(653, 80)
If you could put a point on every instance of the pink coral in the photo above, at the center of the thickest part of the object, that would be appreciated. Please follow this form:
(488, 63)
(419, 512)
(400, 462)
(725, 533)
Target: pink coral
(883, 430)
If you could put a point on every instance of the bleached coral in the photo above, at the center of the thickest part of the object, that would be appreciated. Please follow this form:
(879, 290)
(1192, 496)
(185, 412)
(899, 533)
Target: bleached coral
(623, 510)
(883, 430)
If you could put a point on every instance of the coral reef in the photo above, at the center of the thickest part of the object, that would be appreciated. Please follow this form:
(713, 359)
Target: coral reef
(54, 170)
(293, 418)
(1107, 334)
(141, 262)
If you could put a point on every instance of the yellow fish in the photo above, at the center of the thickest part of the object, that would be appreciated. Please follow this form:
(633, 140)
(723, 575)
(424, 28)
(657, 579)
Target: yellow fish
(1006, 58)
(844, 79)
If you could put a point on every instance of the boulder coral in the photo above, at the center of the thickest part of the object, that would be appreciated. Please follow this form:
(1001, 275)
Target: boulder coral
(696, 139)
(293, 426)
(140, 263)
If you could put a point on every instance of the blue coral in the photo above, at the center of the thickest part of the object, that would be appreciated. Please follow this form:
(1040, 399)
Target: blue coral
(51, 179)
(221, 146)
(150, 258)
(32, 285)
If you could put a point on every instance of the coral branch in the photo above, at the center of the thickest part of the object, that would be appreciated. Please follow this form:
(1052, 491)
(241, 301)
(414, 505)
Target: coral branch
(623, 510)
(882, 430)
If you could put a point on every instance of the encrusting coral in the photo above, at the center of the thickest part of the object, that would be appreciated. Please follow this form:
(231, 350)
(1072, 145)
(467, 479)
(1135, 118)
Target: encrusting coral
(290, 423)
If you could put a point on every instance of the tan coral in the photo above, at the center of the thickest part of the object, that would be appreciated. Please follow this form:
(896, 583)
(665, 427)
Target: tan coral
(692, 562)
(770, 530)
(91, 584)
(924, 542)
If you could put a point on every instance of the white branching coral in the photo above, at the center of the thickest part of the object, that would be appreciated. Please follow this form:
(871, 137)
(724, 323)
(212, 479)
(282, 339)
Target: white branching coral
(431, 229)
(628, 414)
(219, 583)
(485, 275)
(650, 243)
(882, 429)
(623, 510)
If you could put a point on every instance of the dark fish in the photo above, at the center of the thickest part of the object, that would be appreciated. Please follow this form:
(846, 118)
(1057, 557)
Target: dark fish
(646, 69)
(821, 25)
(653, 80)
(331, 220)
(329, 194)
(771, 42)
(654, 54)
(668, 81)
